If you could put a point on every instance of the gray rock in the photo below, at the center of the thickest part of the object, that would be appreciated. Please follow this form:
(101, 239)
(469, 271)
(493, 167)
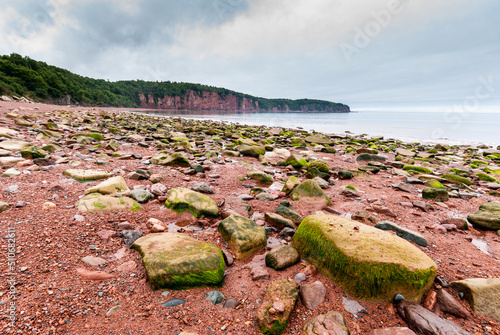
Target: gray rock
(130, 236)
(321, 182)
(402, 232)
(141, 196)
(282, 257)
(173, 303)
(300, 277)
(423, 321)
(312, 295)
(215, 297)
(369, 158)
(276, 219)
(353, 307)
(158, 189)
(203, 188)
(286, 210)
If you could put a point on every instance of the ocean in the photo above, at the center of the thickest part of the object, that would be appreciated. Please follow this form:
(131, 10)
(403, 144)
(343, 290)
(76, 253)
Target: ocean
(445, 127)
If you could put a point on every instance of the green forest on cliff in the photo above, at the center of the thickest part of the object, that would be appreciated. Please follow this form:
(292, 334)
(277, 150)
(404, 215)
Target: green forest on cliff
(23, 76)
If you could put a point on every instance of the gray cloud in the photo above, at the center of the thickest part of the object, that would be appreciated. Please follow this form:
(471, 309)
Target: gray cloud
(426, 53)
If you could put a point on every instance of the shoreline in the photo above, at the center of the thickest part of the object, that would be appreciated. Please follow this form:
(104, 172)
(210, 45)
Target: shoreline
(75, 272)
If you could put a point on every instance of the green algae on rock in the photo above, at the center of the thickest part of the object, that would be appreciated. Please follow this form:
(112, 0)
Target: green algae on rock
(86, 175)
(243, 235)
(177, 261)
(169, 160)
(96, 202)
(456, 179)
(310, 192)
(488, 216)
(366, 262)
(278, 304)
(182, 199)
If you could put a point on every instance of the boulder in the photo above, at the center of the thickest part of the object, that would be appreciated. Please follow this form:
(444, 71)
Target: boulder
(436, 194)
(169, 160)
(114, 185)
(402, 232)
(14, 145)
(251, 150)
(275, 156)
(32, 152)
(260, 176)
(483, 295)
(488, 216)
(318, 139)
(281, 257)
(423, 321)
(370, 158)
(141, 196)
(182, 199)
(331, 323)
(243, 235)
(297, 161)
(96, 202)
(278, 304)
(175, 261)
(312, 295)
(290, 184)
(278, 220)
(86, 175)
(286, 210)
(311, 193)
(366, 262)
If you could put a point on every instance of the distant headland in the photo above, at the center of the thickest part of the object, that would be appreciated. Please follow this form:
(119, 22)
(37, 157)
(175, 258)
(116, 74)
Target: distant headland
(25, 77)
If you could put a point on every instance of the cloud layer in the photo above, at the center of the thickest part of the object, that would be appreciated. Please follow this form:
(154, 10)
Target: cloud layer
(368, 53)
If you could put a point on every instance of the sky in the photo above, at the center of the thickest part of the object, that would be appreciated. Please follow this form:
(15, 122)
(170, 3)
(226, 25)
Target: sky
(369, 54)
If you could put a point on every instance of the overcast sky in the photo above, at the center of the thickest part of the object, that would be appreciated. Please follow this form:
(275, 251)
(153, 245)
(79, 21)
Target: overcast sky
(365, 53)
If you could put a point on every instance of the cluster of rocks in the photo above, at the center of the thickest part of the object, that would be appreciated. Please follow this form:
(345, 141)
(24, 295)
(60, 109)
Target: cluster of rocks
(369, 259)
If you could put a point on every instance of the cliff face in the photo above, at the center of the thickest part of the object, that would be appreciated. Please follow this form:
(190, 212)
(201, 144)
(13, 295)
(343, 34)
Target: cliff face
(195, 101)
(214, 101)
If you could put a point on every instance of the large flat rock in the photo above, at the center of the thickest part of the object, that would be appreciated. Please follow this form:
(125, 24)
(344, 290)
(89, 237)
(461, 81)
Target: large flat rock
(86, 175)
(368, 263)
(14, 145)
(175, 261)
(96, 202)
(182, 199)
(113, 185)
(243, 235)
(483, 295)
(488, 216)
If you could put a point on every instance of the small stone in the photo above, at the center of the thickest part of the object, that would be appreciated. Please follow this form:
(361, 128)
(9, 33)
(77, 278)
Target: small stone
(300, 277)
(259, 273)
(203, 187)
(215, 297)
(173, 303)
(94, 261)
(112, 310)
(130, 236)
(48, 205)
(231, 303)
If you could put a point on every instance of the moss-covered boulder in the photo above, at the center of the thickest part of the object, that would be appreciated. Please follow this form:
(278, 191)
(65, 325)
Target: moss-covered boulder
(243, 235)
(297, 161)
(32, 152)
(319, 164)
(290, 184)
(278, 304)
(311, 193)
(370, 158)
(487, 177)
(169, 160)
(436, 194)
(456, 179)
(86, 175)
(96, 202)
(251, 150)
(488, 216)
(260, 176)
(95, 136)
(182, 199)
(368, 263)
(177, 261)
(113, 185)
(416, 169)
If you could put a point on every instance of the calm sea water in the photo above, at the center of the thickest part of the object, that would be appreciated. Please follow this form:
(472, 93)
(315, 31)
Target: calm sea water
(426, 127)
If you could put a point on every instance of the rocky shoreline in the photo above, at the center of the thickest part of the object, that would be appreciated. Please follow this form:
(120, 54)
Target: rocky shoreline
(293, 232)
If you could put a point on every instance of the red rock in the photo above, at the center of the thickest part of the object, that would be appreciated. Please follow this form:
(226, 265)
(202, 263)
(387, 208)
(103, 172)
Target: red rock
(430, 300)
(391, 331)
(94, 275)
(448, 304)
(106, 234)
(127, 267)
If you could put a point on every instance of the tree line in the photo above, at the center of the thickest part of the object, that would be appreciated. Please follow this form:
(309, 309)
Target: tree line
(23, 76)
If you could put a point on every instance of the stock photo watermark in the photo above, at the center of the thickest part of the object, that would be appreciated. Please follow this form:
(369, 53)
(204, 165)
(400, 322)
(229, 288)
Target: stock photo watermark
(30, 26)
(456, 115)
(10, 308)
(363, 36)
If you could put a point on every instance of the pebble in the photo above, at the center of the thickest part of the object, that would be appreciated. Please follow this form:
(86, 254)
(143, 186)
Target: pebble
(300, 277)
(173, 303)
(215, 297)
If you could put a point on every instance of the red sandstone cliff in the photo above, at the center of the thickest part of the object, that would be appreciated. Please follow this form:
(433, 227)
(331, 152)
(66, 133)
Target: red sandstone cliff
(196, 101)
